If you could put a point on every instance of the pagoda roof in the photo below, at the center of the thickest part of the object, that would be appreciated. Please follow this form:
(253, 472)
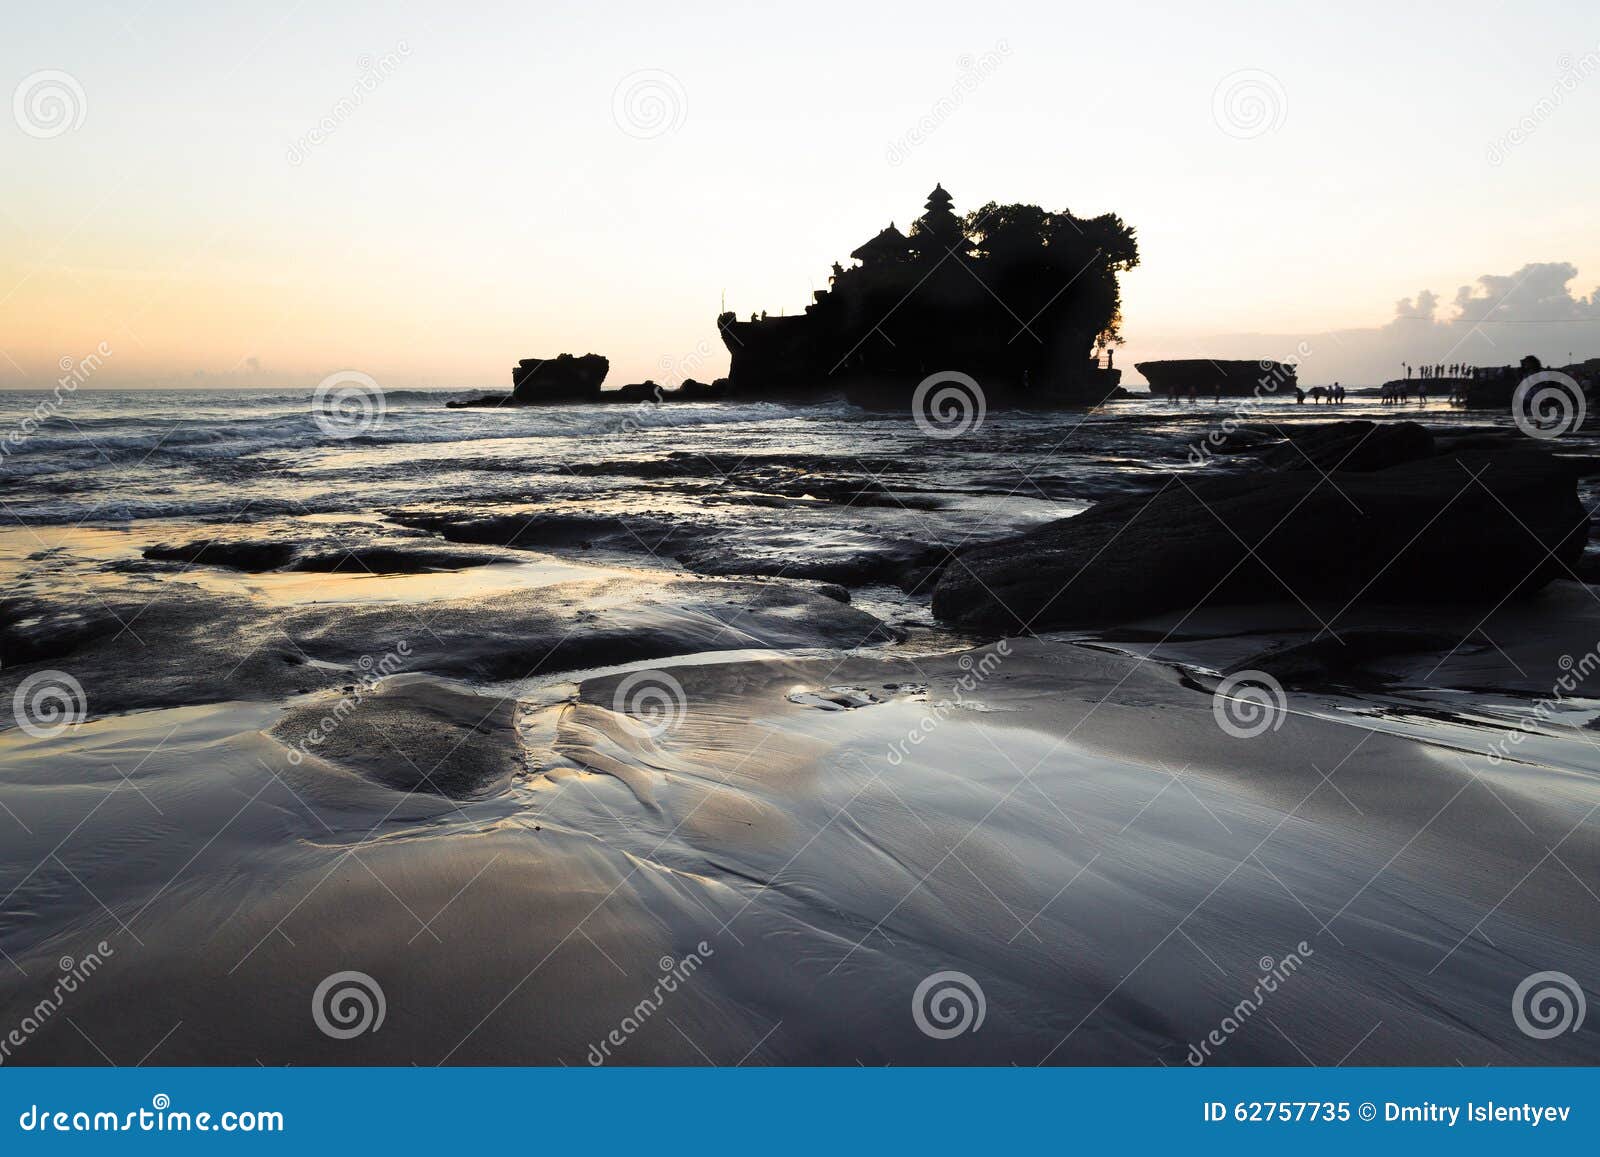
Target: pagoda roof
(888, 243)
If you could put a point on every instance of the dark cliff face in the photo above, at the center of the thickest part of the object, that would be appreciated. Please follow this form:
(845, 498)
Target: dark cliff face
(561, 378)
(1013, 296)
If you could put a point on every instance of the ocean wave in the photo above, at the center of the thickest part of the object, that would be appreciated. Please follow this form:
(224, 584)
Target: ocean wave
(122, 438)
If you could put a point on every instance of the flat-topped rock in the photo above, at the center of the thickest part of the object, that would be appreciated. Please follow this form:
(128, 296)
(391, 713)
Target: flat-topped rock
(562, 377)
(1265, 377)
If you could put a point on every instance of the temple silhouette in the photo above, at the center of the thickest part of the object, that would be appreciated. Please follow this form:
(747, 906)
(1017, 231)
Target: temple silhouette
(1025, 300)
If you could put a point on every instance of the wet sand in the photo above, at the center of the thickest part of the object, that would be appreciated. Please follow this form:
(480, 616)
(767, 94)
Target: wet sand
(566, 796)
(1071, 830)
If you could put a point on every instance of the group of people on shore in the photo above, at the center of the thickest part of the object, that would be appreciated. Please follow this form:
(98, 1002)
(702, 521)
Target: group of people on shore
(1440, 370)
(1397, 392)
(1329, 394)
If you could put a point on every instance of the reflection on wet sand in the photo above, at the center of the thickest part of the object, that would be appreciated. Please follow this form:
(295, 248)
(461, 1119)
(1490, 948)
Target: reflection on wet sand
(517, 759)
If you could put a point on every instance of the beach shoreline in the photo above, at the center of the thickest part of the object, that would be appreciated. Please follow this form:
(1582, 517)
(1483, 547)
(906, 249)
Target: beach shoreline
(522, 740)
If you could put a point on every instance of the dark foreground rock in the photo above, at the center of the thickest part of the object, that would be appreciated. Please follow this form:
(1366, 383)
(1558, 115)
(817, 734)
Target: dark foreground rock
(381, 559)
(1350, 656)
(249, 555)
(35, 630)
(1467, 527)
(208, 647)
(1357, 446)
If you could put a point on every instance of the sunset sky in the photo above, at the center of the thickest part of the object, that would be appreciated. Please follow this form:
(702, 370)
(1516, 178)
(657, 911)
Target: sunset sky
(512, 180)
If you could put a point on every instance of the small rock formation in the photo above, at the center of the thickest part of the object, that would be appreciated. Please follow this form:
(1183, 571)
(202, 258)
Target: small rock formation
(1207, 378)
(563, 378)
(458, 744)
(251, 555)
(1468, 526)
(645, 391)
(690, 390)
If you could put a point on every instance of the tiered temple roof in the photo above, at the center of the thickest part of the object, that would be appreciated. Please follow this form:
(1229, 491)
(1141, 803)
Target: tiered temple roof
(938, 230)
(935, 233)
(889, 245)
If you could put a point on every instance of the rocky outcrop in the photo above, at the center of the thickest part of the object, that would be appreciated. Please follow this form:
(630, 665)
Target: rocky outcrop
(561, 378)
(566, 380)
(690, 390)
(1473, 526)
(1014, 297)
(1208, 378)
(646, 391)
